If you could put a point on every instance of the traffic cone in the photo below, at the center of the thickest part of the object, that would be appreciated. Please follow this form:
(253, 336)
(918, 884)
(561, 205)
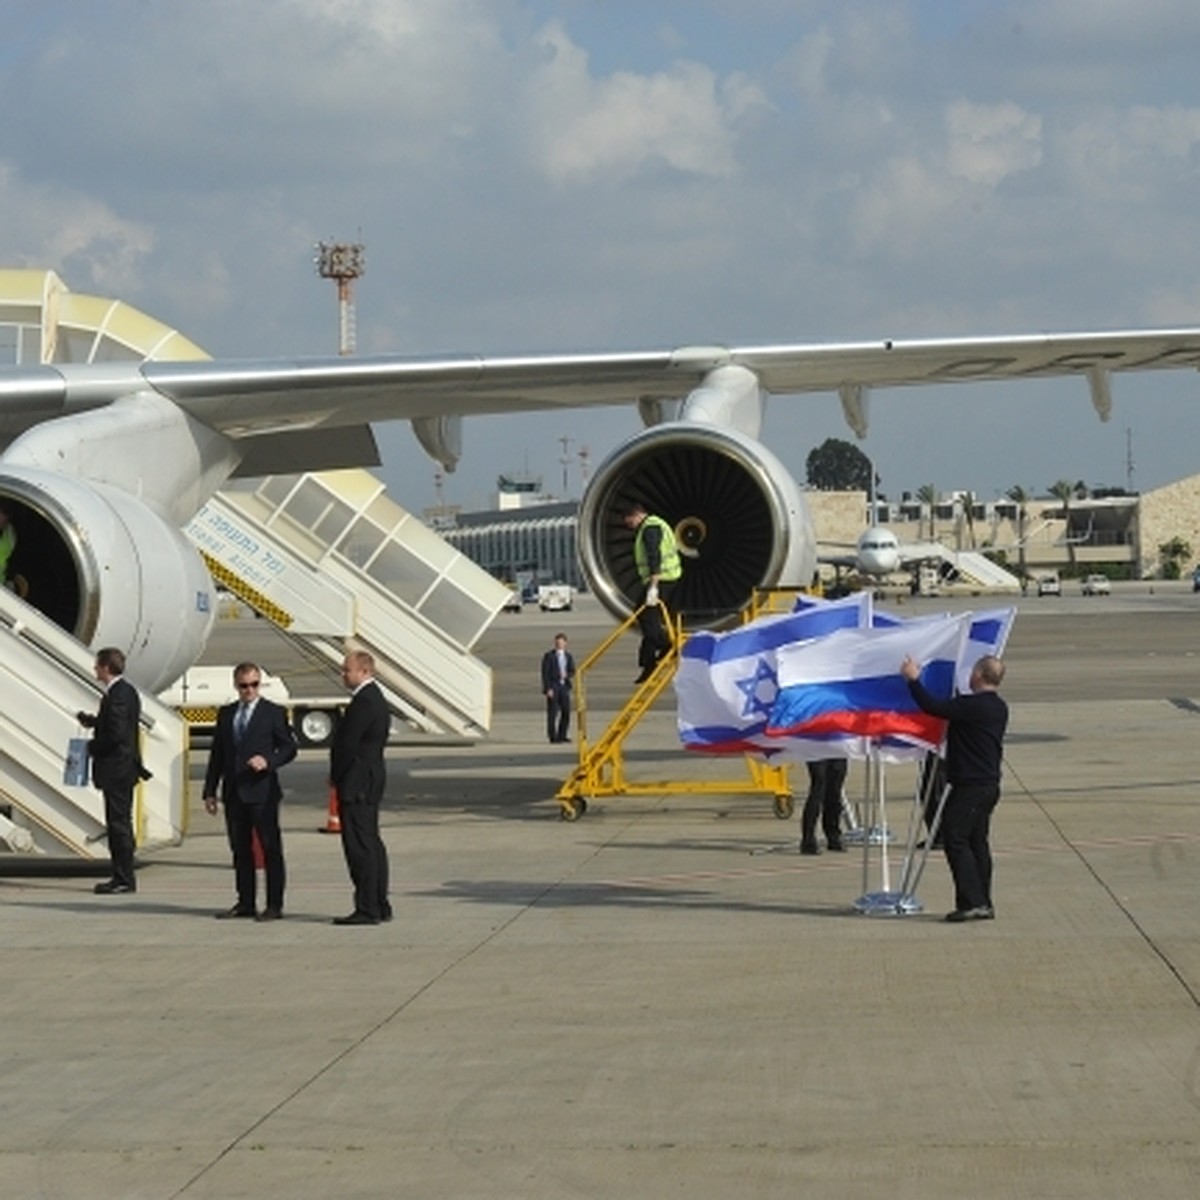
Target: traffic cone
(333, 822)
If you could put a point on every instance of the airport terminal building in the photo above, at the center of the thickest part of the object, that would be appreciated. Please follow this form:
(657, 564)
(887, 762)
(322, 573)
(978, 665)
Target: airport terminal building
(1118, 535)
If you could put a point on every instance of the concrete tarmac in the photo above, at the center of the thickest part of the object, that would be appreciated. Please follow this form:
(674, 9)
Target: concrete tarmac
(643, 1002)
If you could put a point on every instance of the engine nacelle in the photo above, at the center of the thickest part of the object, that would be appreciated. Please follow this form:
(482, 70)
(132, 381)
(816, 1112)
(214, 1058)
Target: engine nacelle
(739, 517)
(110, 571)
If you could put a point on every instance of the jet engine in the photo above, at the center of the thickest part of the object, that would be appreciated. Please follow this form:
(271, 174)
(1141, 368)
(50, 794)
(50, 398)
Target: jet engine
(739, 518)
(109, 570)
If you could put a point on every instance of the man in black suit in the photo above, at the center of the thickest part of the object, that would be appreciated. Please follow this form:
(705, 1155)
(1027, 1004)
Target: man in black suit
(358, 773)
(558, 674)
(252, 741)
(116, 763)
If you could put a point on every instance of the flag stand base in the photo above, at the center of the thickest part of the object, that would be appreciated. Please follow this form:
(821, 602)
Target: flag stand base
(888, 904)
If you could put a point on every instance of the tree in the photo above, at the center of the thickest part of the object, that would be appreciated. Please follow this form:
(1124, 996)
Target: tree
(839, 466)
(967, 506)
(1020, 497)
(927, 494)
(1063, 490)
(1171, 555)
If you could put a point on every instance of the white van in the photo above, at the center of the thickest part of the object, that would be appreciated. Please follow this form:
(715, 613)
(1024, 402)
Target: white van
(556, 597)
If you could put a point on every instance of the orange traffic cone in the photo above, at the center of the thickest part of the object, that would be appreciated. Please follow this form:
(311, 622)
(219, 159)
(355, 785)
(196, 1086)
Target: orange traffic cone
(333, 822)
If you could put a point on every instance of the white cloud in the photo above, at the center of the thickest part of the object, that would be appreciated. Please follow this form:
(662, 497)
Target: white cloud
(73, 233)
(989, 142)
(587, 127)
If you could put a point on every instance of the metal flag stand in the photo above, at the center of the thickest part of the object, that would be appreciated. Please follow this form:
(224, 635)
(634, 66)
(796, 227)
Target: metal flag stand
(862, 828)
(902, 901)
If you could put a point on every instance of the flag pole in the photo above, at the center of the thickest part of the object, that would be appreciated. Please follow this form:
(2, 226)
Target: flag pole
(885, 902)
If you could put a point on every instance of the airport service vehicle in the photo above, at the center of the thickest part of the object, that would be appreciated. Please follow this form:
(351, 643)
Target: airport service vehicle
(556, 597)
(200, 691)
(1049, 585)
(514, 603)
(1095, 585)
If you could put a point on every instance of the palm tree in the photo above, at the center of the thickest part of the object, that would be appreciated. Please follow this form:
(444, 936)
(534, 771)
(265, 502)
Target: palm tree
(927, 494)
(968, 507)
(1020, 497)
(1063, 490)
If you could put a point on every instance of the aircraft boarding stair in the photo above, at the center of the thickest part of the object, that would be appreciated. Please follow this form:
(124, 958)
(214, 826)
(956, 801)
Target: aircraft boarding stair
(331, 560)
(46, 677)
(973, 567)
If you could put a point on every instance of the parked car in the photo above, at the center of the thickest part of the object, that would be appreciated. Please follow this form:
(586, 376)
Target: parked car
(1095, 585)
(1049, 585)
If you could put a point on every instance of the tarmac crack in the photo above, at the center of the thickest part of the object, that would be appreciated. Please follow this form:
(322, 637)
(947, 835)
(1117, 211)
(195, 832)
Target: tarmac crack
(1076, 850)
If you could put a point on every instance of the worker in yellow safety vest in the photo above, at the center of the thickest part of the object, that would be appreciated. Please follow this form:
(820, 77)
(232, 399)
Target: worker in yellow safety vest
(8, 543)
(659, 567)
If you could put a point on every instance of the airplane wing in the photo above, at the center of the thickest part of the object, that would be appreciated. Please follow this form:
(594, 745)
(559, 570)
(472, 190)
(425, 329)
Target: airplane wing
(839, 560)
(260, 398)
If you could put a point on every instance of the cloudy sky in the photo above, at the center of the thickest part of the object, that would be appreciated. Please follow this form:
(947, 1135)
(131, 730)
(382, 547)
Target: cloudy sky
(629, 174)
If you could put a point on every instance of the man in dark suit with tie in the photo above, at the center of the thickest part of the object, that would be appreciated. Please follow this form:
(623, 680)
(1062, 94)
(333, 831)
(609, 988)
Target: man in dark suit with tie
(358, 773)
(558, 674)
(116, 763)
(252, 741)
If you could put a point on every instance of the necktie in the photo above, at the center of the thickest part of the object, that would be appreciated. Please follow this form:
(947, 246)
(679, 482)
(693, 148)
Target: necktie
(239, 722)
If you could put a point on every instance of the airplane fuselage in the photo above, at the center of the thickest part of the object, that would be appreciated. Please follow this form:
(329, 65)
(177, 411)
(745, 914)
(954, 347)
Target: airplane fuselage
(878, 551)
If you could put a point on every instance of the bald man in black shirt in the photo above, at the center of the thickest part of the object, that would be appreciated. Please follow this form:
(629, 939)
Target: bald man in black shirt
(974, 750)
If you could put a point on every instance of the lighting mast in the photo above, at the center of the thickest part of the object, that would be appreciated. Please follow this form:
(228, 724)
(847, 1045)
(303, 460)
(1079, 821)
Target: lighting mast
(345, 262)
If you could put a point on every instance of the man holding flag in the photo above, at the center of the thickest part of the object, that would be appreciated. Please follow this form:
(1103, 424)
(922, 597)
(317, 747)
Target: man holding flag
(974, 748)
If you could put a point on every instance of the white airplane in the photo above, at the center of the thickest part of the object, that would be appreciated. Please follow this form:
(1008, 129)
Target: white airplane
(104, 462)
(878, 552)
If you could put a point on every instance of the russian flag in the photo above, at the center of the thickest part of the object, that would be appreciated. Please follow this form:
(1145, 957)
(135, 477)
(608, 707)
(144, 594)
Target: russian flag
(848, 684)
(727, 683)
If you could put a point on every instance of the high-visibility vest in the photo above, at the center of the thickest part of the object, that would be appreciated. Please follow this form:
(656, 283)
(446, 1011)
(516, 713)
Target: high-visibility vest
(671, 562)
(8, 543)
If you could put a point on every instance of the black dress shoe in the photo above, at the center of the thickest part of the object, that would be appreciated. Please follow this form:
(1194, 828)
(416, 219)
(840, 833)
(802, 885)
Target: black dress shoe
(356, 918)
(111, 887)
(235, 911)
(809, 848)
(270, 914)
(836, 845)
(385, 914)
(646, 673)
